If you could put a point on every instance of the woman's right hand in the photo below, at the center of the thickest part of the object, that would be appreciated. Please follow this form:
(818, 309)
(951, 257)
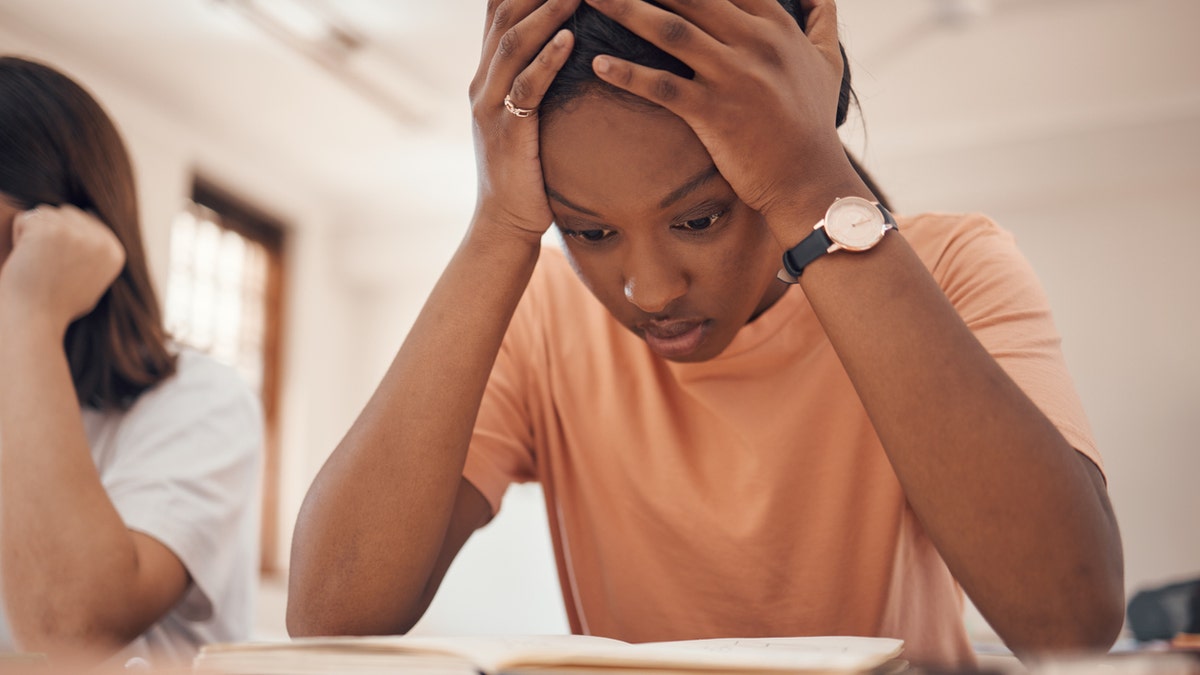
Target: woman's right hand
(62, 262)
(521, 56)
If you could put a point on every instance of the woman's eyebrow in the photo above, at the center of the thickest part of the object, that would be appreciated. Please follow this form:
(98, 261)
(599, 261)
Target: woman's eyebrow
(693, 184)
(566, 202)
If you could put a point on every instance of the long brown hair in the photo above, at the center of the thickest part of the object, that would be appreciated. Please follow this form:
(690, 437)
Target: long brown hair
(58, 146)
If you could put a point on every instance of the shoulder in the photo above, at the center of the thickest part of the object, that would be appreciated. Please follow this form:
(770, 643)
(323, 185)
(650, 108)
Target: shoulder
(934, 235)
(202, 394)
(978, 266)
(965, 248)
(559, 316)
(555, 289)
(559, 299)
(554, 271)
(200, 376)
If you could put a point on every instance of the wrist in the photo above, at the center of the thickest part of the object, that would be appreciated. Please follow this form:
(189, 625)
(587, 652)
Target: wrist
(502, 235)
(791, 216)
(23, 320)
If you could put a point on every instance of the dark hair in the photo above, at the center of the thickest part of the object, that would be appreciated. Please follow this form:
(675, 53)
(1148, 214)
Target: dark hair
(57, 147)
(596, 34)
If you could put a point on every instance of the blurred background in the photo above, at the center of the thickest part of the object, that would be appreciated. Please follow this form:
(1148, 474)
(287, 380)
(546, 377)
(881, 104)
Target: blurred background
(306, 170)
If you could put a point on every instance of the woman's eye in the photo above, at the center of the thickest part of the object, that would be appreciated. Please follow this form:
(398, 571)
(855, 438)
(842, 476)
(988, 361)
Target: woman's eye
(589, 235)
(699, 224)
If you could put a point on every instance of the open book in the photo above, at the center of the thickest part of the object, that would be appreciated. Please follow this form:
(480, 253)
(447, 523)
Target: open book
(548, 653)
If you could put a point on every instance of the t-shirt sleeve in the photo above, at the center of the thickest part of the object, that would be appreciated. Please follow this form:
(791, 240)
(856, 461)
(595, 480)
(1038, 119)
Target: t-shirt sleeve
(996, 292)
(187, 473)
(501, 451)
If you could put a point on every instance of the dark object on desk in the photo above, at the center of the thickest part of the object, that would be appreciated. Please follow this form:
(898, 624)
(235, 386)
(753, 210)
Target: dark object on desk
(1161, 613)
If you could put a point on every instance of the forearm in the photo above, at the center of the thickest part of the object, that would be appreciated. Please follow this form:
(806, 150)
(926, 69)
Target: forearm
(66, 559)
(376, 516)
(1020, 517)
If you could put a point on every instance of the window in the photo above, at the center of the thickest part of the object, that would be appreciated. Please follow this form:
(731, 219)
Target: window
(225, 297)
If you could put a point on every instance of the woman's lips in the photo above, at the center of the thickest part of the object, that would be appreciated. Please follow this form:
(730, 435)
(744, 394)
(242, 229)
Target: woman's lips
(674, 339)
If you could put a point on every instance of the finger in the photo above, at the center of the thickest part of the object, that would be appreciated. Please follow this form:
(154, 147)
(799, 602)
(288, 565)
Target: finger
(502, 15)
(489, 16)
(529, 87)
(725, 21)
(760, 8)
(821, 27)
(521, 43)
(677, 94)
(666, 30)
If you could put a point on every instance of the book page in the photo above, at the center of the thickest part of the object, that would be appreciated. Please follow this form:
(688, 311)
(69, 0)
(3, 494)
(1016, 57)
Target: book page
(814, 654)
(492, 654)
(495, 653)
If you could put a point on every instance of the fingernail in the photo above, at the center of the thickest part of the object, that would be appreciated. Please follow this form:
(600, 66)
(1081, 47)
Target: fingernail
(561, 38)
(602, 64)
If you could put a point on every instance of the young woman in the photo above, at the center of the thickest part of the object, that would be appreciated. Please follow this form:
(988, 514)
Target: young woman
(128, 469)
(723, 453)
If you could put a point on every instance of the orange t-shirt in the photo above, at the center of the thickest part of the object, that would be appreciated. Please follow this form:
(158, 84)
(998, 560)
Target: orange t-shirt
(748, 495)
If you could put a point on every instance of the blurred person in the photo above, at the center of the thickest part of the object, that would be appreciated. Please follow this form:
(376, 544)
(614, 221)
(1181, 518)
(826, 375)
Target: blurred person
(129, 467)
(756, 406)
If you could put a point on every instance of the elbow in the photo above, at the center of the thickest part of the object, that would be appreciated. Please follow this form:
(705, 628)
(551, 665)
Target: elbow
(326, 613)
(77, 636)
(302, 623)
(1095, 627)
(306, 617)
(1105, 619)
(309, 614)
(1090, 625)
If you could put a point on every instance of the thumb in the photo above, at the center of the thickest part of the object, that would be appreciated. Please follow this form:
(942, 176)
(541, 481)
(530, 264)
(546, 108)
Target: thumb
(22, 222)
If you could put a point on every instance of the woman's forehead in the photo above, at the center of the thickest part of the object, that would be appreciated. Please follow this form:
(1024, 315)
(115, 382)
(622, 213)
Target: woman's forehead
(606, 150)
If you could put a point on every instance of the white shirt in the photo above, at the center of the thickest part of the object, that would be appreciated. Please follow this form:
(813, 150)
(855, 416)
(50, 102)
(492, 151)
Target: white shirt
(183, 466)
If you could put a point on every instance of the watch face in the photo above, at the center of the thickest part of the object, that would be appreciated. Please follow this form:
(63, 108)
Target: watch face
(854, 223)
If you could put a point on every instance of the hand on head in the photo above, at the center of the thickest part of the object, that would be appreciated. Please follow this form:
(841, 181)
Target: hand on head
(521, 55)
(62, 262)
(764, 97)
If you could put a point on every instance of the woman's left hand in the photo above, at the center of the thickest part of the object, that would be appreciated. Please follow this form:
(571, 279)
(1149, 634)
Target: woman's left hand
(765, 95)
(62, 262)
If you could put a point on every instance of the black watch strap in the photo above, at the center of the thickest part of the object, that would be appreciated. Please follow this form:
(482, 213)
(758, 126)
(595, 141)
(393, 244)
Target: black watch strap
(810, 248)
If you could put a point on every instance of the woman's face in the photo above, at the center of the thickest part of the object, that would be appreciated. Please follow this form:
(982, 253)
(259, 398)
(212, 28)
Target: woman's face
(653, 230)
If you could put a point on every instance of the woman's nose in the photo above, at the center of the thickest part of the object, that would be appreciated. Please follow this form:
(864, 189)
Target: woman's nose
(653, 285)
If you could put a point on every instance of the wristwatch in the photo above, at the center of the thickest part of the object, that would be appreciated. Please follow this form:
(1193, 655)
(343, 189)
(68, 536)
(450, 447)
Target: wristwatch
(851, 223)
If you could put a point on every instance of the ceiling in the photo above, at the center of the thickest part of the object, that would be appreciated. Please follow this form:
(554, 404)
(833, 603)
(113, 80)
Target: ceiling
(932, 75)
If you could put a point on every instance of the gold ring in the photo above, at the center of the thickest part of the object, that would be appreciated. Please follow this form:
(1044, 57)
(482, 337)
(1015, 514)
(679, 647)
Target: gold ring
(519, 112)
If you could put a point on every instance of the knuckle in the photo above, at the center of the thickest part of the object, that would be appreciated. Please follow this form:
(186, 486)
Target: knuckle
(546, 58)
(509, 43)
(664, 88)
(772, 56)
(521, 90)
(501, 13)
(477, 113)
(674, 31)
(618, 10)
